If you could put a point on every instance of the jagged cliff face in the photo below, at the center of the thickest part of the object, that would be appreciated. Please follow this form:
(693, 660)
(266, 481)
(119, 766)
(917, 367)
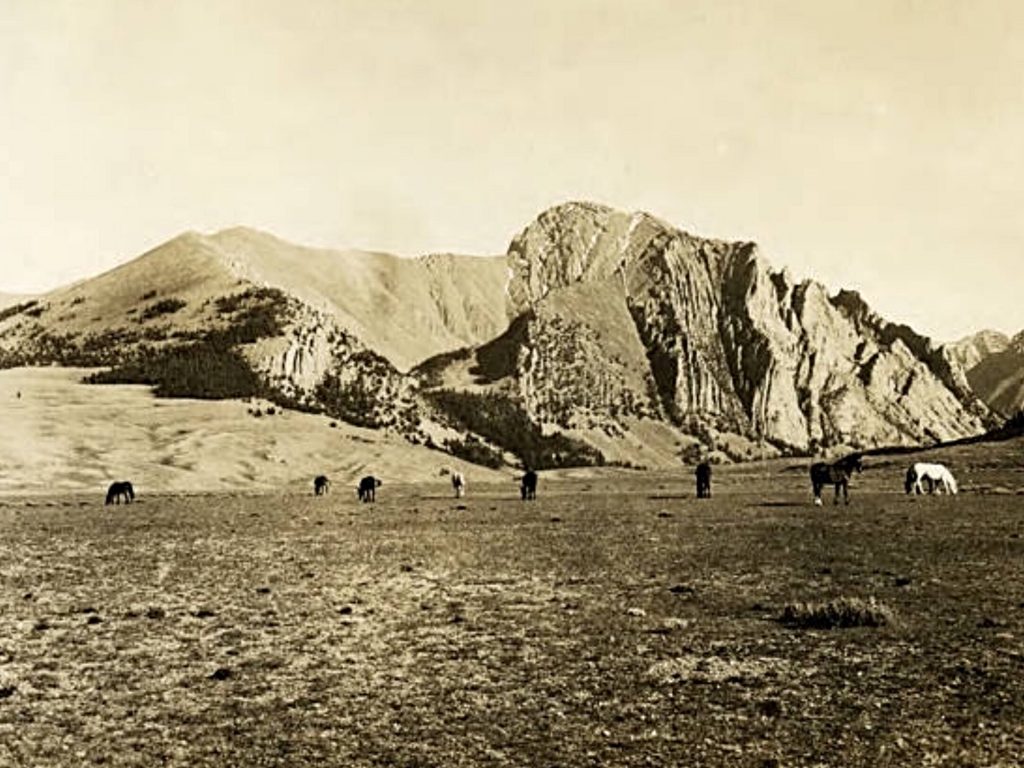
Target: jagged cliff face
(722, 340)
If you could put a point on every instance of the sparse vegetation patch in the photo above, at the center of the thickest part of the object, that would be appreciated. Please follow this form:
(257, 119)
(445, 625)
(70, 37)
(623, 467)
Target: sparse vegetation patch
(162, 307)
(841, 613)
(500, 420)
(17, 309)
(475, 451)
(255, 314)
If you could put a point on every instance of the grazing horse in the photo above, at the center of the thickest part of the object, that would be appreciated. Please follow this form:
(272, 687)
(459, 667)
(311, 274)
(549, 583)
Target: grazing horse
(367, 489)
(528, 485)
(321, 485)
(120, 490)
(935, 475)
(458, 481)
(837, 474)
(703, 473)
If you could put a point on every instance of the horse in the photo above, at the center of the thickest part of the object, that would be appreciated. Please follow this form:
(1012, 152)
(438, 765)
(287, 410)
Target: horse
(837, 474)
(935, 475)
(367, 489)
(118, 490)
(321, 485)
(703, 473)
(528, 485)
(458, 481)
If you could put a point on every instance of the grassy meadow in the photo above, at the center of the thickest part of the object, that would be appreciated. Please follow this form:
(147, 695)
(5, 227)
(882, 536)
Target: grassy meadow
(616, 620)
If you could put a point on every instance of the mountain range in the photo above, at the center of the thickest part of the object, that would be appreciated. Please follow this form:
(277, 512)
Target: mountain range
(599, 336)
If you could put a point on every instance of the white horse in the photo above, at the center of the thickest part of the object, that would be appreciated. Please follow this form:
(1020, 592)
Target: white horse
(458, 481)
(935, 475)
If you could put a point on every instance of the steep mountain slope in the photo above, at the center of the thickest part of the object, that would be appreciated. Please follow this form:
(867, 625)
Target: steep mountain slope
(405, 309)
(186, 318)
(728, 345)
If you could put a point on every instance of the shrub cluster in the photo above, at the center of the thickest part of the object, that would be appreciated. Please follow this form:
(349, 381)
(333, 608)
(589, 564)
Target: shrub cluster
(501, 421)
(162, 307)
(354, 401)
(255, 314)
(475, 451)
(17, 309)
(203, 370)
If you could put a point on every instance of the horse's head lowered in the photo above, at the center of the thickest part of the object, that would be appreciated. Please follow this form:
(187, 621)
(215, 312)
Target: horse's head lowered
(911, 478)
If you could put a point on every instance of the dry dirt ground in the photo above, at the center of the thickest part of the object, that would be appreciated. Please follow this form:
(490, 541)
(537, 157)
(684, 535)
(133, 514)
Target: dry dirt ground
(616, 620)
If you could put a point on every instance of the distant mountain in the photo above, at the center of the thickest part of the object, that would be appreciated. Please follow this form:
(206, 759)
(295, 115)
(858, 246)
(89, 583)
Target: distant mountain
(600, 335)
(995, 369)
(971, 350)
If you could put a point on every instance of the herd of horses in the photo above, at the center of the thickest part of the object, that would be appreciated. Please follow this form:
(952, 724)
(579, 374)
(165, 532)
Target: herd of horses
(921, 477)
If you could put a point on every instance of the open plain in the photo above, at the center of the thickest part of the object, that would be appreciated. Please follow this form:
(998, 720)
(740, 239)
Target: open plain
(617, 620)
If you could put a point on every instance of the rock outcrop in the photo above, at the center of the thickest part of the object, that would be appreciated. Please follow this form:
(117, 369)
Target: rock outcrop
(622, 314)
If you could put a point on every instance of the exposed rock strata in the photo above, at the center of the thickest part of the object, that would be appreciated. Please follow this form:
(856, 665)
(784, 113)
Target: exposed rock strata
(731, 344)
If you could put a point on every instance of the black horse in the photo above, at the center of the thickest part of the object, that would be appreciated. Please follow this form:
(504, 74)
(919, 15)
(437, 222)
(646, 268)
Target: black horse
(120, 490)
(367, 489)
(703, 473)
(321, 485)
(528, 485)
(837, 474)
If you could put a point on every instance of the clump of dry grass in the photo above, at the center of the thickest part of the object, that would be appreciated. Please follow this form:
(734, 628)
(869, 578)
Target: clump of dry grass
(840, 613)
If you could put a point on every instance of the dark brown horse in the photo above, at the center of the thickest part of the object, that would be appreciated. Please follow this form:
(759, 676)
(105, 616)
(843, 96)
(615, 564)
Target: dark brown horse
(367, 489)
(703, 473)
(321, 485)
(837, 474)
(528, 485)
(118, 491)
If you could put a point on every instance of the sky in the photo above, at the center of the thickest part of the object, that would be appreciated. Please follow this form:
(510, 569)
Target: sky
(876, 145)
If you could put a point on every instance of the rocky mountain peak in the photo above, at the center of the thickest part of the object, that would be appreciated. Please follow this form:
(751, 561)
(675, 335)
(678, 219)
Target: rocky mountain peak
(731, 344)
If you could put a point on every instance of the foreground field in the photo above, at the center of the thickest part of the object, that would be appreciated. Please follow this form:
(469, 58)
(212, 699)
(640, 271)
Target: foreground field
(614, 621)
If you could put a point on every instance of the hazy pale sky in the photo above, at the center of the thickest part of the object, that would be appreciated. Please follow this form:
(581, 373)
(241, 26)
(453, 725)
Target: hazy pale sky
(871, 144)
